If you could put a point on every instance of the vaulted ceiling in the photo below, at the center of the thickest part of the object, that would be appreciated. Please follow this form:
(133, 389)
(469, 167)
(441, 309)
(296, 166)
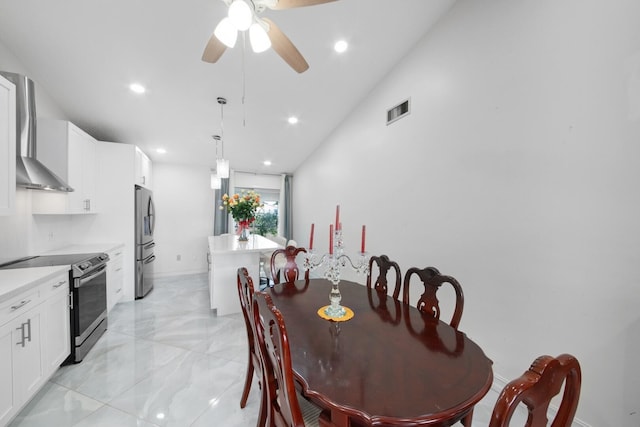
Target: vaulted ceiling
(86, 53)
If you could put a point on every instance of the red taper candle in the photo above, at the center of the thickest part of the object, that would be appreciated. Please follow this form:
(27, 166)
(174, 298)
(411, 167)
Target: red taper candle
(330, 239)
(364, 230)
(311, 236)
(337, 217)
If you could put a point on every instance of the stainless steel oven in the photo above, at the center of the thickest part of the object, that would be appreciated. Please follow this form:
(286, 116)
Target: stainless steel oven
(88, 308)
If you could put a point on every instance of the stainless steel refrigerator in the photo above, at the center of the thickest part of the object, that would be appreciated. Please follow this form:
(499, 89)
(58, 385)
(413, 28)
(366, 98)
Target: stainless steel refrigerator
(145, 224)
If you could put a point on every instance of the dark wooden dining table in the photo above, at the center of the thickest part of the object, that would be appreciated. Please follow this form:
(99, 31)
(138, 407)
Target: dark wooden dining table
(390, 365)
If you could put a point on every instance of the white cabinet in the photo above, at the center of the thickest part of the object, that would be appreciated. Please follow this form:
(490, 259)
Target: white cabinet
(7, 146)
(71, 153)
(143, 169)
(34, 340)
(56, 327)
(115, 277)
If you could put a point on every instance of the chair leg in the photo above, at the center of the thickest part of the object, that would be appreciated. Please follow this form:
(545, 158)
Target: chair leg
(466, 421)
(263, 416)
(247, 383)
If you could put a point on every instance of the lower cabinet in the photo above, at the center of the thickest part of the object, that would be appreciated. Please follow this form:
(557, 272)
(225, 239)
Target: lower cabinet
(56, 331)
(115, 277)
(34, 340)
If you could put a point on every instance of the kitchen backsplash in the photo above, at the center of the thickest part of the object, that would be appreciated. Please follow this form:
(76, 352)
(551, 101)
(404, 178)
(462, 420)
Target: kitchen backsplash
(24, 234)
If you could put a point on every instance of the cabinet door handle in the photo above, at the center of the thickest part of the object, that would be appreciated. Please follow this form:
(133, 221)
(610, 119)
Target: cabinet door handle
(70, 300)
(118, 269)
(59, 284)
(119, 290)
(28, 324)
(20, 305)
(22, 340)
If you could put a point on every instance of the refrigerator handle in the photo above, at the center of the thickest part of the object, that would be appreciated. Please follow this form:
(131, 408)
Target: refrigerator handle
(150, 259)
(151, 212)
(150, 245)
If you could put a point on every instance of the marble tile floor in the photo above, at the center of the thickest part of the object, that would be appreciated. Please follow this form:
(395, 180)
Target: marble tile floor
(165, 360)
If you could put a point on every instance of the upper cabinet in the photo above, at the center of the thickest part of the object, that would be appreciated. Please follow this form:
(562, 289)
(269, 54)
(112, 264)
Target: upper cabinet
(71, 153)
(7, 146)
(143, 169)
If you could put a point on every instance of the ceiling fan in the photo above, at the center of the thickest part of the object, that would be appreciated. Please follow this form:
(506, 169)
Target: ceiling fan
(263, 32)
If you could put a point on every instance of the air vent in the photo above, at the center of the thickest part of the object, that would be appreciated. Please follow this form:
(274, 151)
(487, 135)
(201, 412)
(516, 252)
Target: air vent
(399, 111)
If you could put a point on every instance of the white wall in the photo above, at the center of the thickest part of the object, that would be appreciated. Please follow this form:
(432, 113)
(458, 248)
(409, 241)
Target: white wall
(23, 234)
(184, 205)
(517, 173)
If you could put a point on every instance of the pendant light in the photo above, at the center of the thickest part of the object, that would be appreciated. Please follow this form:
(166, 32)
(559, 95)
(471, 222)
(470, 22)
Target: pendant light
(222, 165)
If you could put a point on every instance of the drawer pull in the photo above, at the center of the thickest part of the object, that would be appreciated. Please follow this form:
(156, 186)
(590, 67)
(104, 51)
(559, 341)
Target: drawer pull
(59, 284)
(119, 269)
(118, 290)
(20, 305)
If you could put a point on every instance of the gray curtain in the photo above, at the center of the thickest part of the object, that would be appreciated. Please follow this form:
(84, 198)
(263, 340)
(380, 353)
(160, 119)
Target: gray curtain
(221, 221)
(286, 210)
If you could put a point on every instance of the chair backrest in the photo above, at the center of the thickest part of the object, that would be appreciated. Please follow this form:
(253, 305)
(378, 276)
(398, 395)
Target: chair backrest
(290, 269)
(271, 334)
(245, 292)
(536, 387)
(428, 302)
(384, 264)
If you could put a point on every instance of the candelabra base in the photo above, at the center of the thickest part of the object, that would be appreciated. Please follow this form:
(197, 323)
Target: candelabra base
(348, 314)
(337, 311)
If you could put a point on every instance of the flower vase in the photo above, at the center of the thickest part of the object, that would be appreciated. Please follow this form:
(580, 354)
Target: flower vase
(243, 232)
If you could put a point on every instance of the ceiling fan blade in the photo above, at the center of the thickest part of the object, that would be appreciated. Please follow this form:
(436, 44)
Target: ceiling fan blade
(214, 50)
(289, 4)
(283, 47)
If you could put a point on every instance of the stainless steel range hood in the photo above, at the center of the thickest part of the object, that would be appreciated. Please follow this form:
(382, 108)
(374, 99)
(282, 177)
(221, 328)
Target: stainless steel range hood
(30, 173)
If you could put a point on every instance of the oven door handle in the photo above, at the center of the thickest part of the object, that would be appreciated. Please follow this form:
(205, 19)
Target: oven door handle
(81, 281)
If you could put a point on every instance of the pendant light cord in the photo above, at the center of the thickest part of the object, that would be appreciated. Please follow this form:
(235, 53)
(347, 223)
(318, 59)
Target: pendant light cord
(244, 79)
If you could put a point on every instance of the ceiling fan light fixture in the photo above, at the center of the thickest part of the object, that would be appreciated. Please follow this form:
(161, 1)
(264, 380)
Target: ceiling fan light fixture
(226, 32)
(240, 15)
(259, 38)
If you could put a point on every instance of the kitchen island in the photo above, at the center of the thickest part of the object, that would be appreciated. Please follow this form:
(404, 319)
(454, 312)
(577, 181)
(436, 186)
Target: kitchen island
(226, 255)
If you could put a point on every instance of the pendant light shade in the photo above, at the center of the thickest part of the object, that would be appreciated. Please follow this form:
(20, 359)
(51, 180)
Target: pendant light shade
(222, 168)
(216, 182)
(259, 39)
(240, 15)
(226, 32)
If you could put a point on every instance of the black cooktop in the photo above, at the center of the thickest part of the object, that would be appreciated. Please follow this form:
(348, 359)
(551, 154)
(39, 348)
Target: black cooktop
(80, 262)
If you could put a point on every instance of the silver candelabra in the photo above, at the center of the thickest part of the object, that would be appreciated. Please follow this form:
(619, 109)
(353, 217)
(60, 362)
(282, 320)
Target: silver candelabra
(334, 262)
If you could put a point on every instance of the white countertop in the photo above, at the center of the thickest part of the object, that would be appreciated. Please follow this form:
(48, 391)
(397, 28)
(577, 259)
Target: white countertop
(229, 244)
(16, 281)
(82, 249)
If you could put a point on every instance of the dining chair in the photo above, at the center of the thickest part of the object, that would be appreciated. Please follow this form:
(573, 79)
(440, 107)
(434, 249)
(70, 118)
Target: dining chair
(428, 302)
(289, 268)
(284, 408)
(245, 292)
(384, 264)
(536, 388)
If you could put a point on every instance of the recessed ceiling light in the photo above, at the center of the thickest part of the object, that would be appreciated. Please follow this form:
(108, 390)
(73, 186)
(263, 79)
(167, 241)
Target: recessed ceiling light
(293, 120)
(267, 163)
(161, 151)
(341, 46)
(137, 88)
